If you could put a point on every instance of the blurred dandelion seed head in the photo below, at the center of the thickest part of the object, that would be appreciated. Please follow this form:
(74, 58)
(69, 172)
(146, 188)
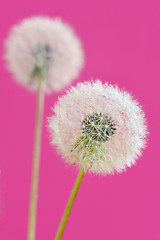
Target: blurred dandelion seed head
(46, 47)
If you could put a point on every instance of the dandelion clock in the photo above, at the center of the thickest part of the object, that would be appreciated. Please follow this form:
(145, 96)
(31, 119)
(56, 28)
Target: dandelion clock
(44, 54)
(99, 128)
(42, 47)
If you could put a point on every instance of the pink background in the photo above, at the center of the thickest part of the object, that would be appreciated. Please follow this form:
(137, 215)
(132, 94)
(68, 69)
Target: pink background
(121, 40)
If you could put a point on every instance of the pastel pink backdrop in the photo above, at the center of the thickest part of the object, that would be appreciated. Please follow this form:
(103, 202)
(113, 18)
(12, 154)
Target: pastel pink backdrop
(121, 41)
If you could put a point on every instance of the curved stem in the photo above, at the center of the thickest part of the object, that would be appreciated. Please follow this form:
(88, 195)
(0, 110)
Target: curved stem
(69, 205)
(36, 163)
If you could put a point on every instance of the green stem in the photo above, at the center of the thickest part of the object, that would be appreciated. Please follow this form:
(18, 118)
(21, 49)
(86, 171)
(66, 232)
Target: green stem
(36, 163)
(69, 205)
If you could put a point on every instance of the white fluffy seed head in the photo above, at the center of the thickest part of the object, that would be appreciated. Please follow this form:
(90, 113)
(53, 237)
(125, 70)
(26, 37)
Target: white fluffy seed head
(98, 127)
(45, 46)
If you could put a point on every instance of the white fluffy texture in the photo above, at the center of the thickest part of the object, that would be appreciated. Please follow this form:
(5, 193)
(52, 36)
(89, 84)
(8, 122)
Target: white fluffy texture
(67, 51)
(86, 98)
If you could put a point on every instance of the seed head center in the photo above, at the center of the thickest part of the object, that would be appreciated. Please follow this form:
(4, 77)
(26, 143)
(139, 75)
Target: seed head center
(98, 127)
(42, 55)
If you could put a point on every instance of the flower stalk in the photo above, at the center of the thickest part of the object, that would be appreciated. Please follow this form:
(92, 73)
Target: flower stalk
(68, 208)
(36, 160)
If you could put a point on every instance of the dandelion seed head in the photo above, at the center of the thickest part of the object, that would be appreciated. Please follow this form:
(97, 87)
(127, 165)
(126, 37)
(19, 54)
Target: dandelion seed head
(47, 47)
(98, 127)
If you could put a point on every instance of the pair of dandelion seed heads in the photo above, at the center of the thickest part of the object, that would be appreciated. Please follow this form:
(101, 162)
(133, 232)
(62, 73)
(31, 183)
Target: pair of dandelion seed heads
(96, 126)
